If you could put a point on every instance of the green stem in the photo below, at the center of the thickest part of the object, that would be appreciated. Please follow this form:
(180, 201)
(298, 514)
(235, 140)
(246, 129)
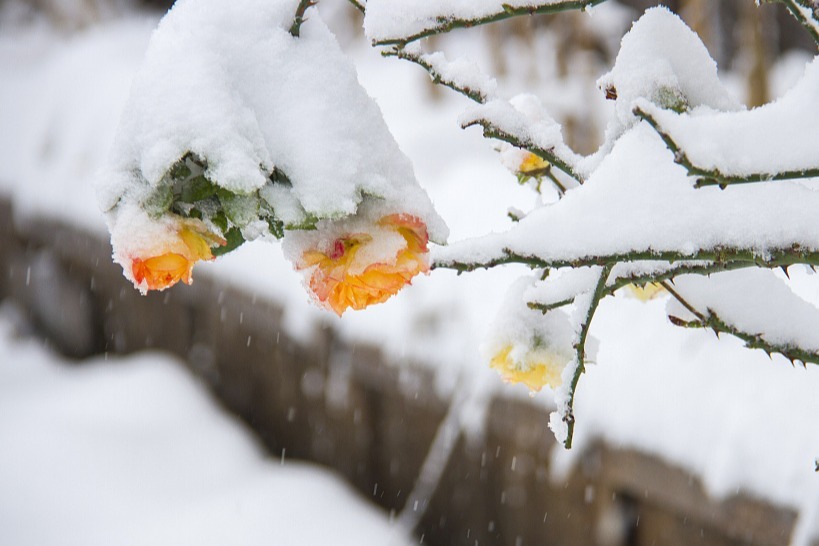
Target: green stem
(546, 307)
(295, 28)
(445, 24)
(580, 348)
(475, 94)
(720, 256)
(672, 272)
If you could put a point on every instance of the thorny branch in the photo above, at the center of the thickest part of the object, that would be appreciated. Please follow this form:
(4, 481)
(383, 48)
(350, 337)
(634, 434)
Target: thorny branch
(475, 94)
(295, 28)
(444, 24)
(777, 257)
(580, 351)
(806, 12)
(713, 177)
(710, 320)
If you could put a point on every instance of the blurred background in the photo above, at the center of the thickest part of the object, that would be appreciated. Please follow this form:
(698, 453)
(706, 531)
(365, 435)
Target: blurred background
(233, 411)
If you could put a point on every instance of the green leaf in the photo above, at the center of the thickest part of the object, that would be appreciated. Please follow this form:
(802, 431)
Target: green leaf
(197, 189)
(234, 240)
(159, 202)
(220, 220)
(179, 170)
(239, 209)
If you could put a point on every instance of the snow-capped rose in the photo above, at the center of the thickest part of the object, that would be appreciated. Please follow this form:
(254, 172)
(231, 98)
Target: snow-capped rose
(535, 367)
(157, 254)
(353, 263)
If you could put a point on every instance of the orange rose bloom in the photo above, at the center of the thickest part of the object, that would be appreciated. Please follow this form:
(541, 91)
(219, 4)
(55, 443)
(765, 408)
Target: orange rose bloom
(340, 281)
(164, 270)
(538, 367)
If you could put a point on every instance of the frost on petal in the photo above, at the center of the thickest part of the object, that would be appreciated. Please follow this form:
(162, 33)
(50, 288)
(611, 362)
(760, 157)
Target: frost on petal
(361, 260)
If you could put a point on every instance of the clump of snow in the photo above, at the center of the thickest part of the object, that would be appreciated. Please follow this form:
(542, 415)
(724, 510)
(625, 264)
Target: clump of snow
(661, 58)
(777, 137)
(228, 83)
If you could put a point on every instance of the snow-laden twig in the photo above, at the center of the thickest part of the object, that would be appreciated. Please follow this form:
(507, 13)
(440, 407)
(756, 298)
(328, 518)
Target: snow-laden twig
(709, 319)
(479, 89)
(500, 120)
(713, 176)
(446, 17)
(754, 305)
(721, 257)
(806, 12)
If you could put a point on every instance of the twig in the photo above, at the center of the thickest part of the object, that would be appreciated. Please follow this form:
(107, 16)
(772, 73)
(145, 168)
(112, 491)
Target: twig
(709, 319)
(676, 270)
(713, 177)
(546, 307)
(476, 95)
(777, 257)
(580, 348)
(806, 12)
(358, 5)
(295, 28)
(445, 23)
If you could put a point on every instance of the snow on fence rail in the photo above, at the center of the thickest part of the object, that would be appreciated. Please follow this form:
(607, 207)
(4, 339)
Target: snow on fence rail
(345, 407)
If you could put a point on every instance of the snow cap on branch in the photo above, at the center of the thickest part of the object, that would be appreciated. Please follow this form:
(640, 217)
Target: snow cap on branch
(664, 61)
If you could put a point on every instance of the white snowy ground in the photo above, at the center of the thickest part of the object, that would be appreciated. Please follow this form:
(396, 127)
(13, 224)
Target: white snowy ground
(135, 452)
(739, 420)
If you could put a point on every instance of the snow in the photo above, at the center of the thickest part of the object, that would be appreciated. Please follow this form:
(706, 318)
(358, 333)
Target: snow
(661, 52)
(726, 413)
(135, 452)
(777, 137)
